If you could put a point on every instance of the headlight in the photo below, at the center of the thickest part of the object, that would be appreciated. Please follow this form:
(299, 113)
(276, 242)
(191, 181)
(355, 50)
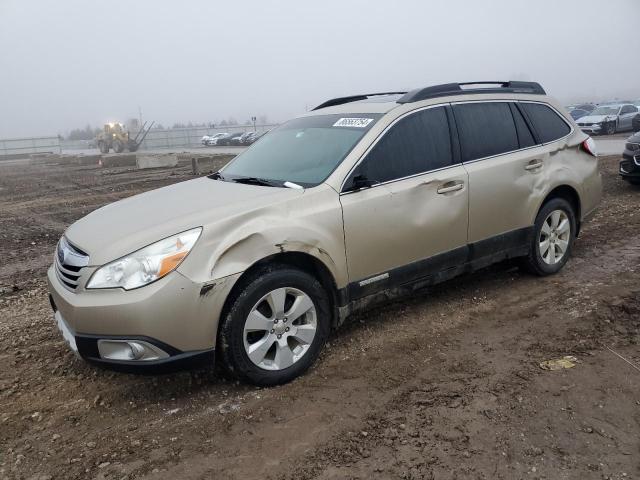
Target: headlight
(146, 265)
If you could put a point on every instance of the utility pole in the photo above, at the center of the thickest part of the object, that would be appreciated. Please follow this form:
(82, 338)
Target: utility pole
(253, 119)
(140, 115)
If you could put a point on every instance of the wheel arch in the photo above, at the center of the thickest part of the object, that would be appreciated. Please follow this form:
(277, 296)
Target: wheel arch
(293, 259)
(571, 195)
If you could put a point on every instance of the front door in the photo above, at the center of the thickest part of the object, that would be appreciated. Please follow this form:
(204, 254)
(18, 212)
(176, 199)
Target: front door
(405, 206)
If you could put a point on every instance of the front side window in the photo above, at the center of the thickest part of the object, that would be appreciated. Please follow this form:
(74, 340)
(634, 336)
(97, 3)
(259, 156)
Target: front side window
(418, 143)
(485, 129)
(303, 151)
(546, 122)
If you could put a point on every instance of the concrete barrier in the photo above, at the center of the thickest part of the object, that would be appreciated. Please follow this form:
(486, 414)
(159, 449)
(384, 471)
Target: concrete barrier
(205, 163)
(118, 160)
(86, 160)
(156, 161)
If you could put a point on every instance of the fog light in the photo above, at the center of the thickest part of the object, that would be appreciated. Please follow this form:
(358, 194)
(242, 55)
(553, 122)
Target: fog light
(130, 350)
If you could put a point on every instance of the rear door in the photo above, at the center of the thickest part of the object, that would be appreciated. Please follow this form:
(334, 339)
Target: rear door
(505, 168)
(412, 220)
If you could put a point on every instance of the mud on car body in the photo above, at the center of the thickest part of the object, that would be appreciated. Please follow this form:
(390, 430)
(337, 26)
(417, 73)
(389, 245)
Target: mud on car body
(363, 198)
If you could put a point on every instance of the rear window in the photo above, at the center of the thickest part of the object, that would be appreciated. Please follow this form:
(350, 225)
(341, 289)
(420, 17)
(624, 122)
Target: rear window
(485, 129)
(547, 123)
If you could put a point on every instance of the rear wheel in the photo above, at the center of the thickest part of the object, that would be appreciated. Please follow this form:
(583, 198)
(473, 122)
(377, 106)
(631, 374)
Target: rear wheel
(275, 327)
(118, 147)
(554, 233)
(103, 147)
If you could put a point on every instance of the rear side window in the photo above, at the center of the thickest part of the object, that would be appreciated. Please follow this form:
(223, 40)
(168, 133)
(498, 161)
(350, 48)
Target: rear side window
(546, 122)
(485, 129)
(525, 137)
(416, 144)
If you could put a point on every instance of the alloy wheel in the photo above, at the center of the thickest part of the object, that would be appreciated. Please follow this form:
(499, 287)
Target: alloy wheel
(280, 328)
(555, 234)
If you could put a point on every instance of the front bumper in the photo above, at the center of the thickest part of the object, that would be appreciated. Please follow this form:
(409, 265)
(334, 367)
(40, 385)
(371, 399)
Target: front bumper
(593, 129)
(630, 167)
(174, 318)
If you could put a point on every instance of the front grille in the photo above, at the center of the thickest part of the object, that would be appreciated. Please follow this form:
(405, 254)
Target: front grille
(69, 262)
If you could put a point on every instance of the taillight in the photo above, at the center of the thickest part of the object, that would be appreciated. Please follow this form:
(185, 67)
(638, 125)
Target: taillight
(589, 146)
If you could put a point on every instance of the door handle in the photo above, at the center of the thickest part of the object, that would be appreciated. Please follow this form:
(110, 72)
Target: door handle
(450, 187)
(534, 164)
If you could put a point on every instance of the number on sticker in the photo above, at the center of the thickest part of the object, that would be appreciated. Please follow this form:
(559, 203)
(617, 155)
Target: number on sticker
(353, 122)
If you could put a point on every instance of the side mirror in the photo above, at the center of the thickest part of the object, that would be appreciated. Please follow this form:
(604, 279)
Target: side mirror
(359, 182)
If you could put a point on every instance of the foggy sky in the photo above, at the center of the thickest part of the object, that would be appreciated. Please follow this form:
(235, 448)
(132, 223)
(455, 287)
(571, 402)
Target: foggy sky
(67, 63)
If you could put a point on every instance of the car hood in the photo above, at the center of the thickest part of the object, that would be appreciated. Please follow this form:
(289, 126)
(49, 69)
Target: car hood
(596, 118)
(634, 138)
(127, 225)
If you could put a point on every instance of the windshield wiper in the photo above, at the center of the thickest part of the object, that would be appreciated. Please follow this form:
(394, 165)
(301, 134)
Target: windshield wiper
(217, 176)
(254, 181)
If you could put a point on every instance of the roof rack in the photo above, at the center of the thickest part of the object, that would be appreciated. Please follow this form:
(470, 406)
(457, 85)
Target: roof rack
(354, 98)
(445, 90)
(448, 89)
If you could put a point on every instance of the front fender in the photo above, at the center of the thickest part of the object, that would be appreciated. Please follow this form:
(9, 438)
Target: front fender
(310, 224)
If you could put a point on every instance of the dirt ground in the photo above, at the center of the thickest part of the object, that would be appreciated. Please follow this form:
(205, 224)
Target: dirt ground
(443, 385)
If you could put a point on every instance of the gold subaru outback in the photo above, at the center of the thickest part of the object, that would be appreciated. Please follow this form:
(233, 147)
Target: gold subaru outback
(363, 198)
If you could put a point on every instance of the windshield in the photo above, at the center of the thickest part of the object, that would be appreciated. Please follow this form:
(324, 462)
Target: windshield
(604, 110)
(303, 151)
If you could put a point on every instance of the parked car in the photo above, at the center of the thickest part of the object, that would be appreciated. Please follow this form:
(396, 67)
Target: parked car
(204, 139)
(213, 140)
(229, 139)
(248, 138)
(609, 119)
(239, 139)
(251, 139)
(630, 163)
(347, 205)
(635, 123)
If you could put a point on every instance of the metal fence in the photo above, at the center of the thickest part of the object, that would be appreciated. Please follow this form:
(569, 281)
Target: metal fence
(173, 138)
(26, 146)
(192, 137)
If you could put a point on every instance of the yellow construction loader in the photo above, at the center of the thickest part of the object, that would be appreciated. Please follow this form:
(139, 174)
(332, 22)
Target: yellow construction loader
(115, 136)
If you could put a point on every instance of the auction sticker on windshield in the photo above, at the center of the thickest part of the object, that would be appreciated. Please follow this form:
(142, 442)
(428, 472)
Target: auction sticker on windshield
(353, 122)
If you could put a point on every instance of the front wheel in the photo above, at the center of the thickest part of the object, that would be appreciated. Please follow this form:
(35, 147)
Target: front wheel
(275, 327)
(554, 233)
(611, 128)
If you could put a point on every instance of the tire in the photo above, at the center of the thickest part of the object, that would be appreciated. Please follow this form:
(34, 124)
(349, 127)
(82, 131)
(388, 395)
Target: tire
(611, 128)
(103, 147)
(634, 181)
(540, 261)
(248, 340)
(118, 147)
